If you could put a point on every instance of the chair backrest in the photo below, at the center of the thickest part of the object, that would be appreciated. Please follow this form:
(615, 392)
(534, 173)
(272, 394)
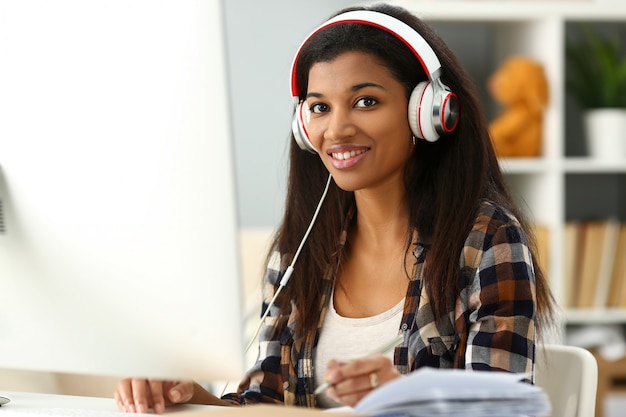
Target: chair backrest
(569, 376)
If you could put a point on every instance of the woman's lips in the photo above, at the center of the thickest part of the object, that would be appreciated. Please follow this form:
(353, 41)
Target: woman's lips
(346, 158)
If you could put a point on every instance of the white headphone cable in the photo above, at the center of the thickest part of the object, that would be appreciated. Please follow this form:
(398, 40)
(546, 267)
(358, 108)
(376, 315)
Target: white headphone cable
(287, 275)
(289, 270)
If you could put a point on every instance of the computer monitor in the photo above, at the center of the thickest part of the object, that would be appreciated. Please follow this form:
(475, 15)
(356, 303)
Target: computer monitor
(118, 220)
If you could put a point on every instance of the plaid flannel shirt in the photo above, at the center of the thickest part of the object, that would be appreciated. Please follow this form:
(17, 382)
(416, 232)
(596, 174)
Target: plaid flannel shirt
(492, 326)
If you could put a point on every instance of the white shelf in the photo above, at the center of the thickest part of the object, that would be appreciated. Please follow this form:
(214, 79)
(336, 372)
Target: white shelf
(595, 316)
(571, 165)
(524, 165)
(590, 166)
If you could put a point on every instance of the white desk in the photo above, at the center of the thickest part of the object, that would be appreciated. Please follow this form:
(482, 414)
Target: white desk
(25, 404)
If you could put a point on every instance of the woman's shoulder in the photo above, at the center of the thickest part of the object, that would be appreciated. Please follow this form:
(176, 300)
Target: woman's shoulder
(495, 227)
(491, 215)
(493, 219)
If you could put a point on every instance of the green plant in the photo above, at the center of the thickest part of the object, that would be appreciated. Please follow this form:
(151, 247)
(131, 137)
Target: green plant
(596, 73)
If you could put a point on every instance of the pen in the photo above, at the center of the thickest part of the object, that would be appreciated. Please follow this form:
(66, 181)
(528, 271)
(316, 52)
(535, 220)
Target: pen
(381, 349)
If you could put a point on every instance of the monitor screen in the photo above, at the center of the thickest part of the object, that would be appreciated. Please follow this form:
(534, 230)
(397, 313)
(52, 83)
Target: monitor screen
(118, 224)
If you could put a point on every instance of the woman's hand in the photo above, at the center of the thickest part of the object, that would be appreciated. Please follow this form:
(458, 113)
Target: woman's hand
(134, 395)
(352, 380)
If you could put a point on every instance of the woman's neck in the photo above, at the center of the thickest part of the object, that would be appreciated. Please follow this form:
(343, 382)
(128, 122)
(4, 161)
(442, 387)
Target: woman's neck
(382, 217)
(375, 266)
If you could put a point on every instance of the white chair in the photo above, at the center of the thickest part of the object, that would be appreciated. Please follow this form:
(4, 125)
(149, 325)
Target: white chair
(569, 376)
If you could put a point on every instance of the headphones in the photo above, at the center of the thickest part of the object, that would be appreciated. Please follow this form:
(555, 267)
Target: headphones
(433, 107)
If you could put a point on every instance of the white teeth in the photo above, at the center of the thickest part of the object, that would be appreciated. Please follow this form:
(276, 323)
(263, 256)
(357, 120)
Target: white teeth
(346, 154)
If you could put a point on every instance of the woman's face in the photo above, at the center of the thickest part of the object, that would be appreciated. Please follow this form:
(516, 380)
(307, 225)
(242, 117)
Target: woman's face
(359, 122)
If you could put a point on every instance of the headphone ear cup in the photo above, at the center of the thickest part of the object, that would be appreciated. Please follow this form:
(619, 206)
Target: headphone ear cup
(299, 125)
(420, 112)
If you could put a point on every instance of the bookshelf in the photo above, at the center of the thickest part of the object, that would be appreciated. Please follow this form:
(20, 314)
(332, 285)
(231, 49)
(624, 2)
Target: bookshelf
(562, 185)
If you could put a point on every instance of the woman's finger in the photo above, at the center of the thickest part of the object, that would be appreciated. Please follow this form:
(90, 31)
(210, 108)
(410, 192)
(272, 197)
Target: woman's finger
(366, 365)
(180, 391)
(140, 392)
(355, 379)
(157, 399)
(123, 395)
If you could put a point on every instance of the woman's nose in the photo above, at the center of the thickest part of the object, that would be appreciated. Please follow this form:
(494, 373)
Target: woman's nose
(340, 126)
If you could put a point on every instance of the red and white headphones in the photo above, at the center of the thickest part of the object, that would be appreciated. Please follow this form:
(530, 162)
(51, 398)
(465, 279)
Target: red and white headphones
(433, 107)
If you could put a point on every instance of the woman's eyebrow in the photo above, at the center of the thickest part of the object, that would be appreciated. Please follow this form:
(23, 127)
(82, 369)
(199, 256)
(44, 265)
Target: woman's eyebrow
(365, 85)
(354, 88)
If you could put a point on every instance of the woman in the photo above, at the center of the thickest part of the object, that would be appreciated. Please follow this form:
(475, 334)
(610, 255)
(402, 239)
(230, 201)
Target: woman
(417, 235)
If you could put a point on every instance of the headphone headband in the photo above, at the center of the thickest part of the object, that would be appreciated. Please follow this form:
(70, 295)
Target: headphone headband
(413, 40)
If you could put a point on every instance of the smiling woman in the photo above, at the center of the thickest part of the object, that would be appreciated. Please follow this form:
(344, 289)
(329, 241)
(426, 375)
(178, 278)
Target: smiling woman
(417, 236)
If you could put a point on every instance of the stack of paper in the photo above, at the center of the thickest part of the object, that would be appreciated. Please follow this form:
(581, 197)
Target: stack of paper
(446, 392)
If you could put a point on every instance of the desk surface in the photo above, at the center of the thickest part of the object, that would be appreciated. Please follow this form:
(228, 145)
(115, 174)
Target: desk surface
(24, 404)
(35, 404)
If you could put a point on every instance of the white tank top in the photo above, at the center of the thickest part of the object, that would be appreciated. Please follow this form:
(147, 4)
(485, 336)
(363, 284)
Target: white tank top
(345, 338)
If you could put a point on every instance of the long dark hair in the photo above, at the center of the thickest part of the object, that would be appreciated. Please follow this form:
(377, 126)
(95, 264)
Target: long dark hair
(445, 180)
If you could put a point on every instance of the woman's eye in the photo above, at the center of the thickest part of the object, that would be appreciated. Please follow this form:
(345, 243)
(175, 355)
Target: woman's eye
(365, 102)
(319, 108)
